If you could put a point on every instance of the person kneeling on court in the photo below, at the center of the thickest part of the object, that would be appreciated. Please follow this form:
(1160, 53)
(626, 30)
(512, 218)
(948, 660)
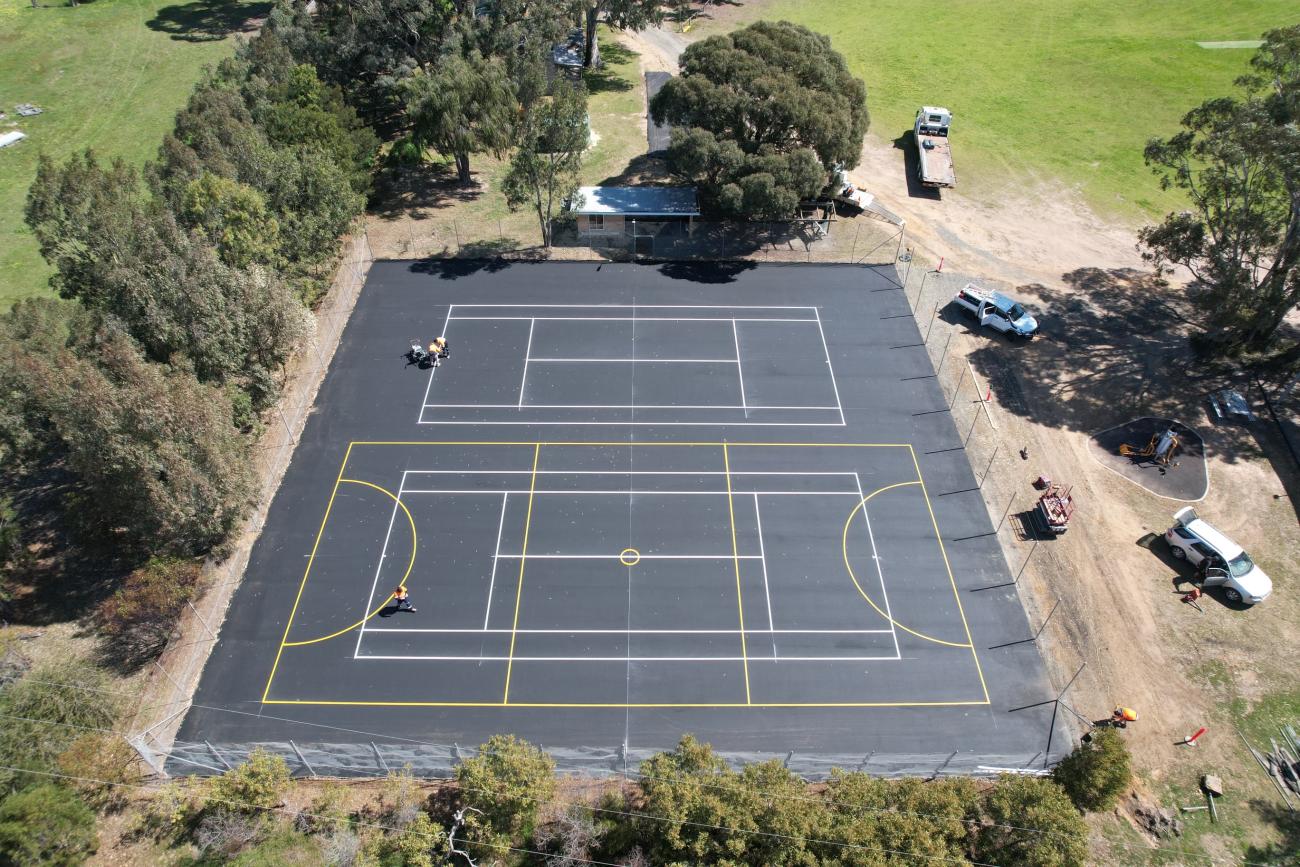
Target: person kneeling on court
(403, 598)
(440, 348)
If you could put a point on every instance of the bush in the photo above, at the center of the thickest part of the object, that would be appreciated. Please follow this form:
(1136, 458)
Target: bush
(50, 711)
(253, 787)
(413, 846)
(139, 618)
(1032, 802)
(224, 832)
(46, 825)
(1097, 772)
(508, 780)
(98, 756)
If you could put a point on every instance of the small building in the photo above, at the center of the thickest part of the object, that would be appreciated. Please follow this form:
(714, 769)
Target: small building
(609, 213)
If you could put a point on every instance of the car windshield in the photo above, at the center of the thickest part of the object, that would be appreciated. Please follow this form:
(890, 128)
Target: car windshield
(1240, 565)
(1016, 312)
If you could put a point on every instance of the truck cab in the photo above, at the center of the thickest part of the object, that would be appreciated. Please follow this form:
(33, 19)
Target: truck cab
(932, 120)
(934, 166)
(996, 311)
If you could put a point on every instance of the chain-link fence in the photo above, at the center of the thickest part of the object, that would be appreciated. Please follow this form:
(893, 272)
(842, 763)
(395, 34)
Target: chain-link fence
(869, 238)
(168, 693)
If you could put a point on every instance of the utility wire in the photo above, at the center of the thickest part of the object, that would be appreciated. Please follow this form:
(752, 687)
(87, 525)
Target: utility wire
(693, 781)
(287, 811)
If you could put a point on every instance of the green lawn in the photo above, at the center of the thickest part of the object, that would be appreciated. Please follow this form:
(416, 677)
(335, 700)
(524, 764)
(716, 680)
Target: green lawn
(110, 75)
(1069, 89)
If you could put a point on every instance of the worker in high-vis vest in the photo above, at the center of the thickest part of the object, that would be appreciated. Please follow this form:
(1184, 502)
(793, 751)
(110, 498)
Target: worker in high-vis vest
(1123, 716)
(403, 598)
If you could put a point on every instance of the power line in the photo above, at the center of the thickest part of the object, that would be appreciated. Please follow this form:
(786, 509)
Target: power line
(695, 781)
(289, 812)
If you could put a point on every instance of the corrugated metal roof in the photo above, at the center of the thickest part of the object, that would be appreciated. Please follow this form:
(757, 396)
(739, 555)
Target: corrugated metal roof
(638, 201)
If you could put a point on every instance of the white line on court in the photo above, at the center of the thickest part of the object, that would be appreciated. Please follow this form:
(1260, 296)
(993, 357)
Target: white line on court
(639, 361)
(634, 631)
(383, 553)
(534, 422)
(432, 370)
(614, 406)
(495, 554)
(875, 555)
(630, 472)
(532, 323)
(692, 659)
(625, 319)
(625, 492)
(618, 556)
(740, 368)
(758, 520)
(829, 367)
(648, 306)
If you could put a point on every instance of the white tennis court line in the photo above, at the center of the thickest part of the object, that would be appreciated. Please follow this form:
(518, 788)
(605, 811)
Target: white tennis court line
(453, 630)
(611, 406)
(637, 361)
(625, 492)
(744, 407)
(762, 550)
(446, 323)
(383, 554)
(875, 555)
(495, 555)
(829, 367)
(623, 319)
(761, 556)
(693, 659)
(740, 368)
(644, 306)
(532, 323)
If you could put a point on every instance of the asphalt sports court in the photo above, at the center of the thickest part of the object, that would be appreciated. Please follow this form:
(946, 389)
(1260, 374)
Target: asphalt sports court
(630, 504)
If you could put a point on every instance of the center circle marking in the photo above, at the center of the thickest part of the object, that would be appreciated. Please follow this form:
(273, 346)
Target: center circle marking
(629, 557)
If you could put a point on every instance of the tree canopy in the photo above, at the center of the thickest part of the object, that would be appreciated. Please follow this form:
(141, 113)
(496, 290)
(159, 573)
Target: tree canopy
(1238, 161)
(762, 116)
(544, 170)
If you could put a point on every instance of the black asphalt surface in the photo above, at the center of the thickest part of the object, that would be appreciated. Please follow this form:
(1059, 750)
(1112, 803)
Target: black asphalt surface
(616, 468)
(1184, 478)
(658, 135)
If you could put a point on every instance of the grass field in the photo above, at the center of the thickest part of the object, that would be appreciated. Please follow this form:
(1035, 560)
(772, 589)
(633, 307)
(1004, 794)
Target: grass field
(110, 76)
(1064, 89)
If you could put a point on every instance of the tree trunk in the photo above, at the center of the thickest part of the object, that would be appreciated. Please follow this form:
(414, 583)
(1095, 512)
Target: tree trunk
(462, 169)
(1276, 298)
(591, 51)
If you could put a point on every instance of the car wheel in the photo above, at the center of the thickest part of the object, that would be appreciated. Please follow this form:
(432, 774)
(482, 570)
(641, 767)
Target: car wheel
(1233, 595)
(1179, 553)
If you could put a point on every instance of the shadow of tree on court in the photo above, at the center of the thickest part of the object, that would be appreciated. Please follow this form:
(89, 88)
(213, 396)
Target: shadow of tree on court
(454, 269)
(706, 272)
(208, 20)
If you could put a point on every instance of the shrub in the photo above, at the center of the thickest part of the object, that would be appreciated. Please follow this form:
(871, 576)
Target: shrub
(43, 713)
(1097, 772)
(225, 832)
(253, 787)
(1032, 802)
(46, 825)
(400, 799)
(98, 756)
(413, 846)
(139, 618)
(507, 780)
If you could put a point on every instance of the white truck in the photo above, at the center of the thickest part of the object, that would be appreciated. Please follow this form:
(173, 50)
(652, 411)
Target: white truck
(934, 156)
(997, 311)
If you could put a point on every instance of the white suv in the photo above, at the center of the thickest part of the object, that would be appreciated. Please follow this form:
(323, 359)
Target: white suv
(1229, 567)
